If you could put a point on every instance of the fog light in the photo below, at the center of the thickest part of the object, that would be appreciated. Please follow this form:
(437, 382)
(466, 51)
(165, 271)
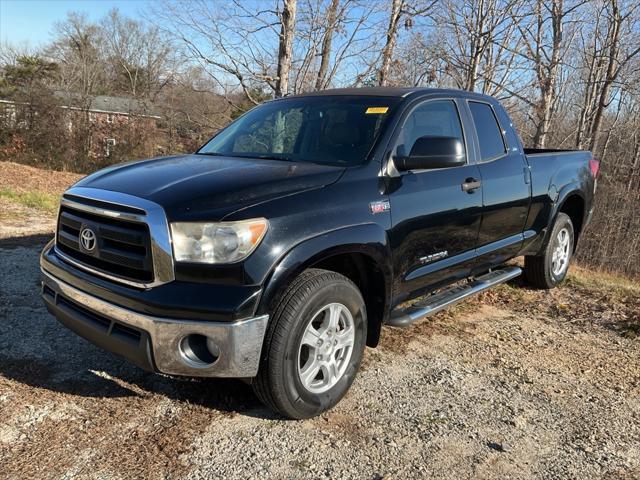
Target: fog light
(198, 351)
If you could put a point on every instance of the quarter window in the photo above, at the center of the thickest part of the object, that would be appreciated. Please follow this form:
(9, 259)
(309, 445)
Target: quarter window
(489, 134)
(437, 118)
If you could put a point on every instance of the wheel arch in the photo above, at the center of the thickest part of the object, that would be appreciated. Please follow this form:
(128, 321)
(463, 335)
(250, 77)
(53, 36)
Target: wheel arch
(572, 202)
(574, 205)
(361, 253)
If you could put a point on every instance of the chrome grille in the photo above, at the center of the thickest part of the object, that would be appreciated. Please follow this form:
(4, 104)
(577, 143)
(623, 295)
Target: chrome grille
(123, 248)
(132, 240)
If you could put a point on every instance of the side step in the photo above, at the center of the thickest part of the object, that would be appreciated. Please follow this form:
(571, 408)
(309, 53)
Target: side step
(450, 296)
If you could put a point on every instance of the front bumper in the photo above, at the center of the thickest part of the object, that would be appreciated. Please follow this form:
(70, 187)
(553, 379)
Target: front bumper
(179, 300)
(152, 342)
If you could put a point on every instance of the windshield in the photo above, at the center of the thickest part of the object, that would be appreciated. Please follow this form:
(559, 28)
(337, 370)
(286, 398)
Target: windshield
(333, 130)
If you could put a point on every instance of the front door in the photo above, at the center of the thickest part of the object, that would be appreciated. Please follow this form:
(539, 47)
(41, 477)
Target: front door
(435, 222)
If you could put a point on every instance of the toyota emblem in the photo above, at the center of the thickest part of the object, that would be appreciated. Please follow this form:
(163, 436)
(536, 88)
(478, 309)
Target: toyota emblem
(88, 239)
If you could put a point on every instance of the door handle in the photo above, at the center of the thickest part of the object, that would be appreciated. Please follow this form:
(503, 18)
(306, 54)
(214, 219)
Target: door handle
(470, 185)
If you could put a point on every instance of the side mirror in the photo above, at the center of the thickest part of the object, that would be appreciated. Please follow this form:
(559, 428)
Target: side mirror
(433, 152)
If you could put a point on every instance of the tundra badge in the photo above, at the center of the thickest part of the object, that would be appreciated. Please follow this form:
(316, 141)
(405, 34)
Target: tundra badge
(434, 256)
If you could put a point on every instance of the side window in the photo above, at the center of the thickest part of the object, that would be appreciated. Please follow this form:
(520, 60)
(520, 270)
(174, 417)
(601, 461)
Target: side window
(437, 118)
(489, 134)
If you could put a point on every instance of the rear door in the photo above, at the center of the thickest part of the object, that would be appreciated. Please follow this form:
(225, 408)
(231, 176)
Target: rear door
(435, 222)
(505, 186)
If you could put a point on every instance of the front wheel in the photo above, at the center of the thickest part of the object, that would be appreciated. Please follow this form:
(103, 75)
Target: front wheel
(314, 345)
(550, 268)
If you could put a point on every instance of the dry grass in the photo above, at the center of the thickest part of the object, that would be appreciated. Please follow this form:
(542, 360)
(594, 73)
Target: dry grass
(586, 298)
(585, 277)
(23, 179)
(46, 202)
(33, 188)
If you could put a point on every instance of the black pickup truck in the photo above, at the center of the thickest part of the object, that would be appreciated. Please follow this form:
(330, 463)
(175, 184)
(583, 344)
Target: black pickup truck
(277, 251)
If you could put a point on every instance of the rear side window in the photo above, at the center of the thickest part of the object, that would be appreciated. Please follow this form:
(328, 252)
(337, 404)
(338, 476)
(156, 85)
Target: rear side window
(489, 134)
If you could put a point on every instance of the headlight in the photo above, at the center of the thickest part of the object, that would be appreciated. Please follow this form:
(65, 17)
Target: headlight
(222, 242)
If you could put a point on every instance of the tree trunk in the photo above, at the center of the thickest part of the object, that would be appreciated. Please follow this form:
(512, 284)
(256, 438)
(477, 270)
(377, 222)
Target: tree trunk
(285, 48)
(635, 166)
(476, 47)
(389, 46)
(594, 78)
(325, 54)
(610, 76)
(548, 75)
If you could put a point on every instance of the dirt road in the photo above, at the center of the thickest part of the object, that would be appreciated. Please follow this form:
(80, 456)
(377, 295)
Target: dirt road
(514, 384)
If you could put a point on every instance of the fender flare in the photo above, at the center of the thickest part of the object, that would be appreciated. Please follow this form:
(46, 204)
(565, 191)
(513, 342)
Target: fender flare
(368, 239)
(565, 192)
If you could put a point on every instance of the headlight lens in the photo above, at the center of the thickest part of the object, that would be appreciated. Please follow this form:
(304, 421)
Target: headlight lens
(222, 242)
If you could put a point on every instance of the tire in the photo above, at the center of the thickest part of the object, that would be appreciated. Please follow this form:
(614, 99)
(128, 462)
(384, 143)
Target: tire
(307, 306)
(544, 271)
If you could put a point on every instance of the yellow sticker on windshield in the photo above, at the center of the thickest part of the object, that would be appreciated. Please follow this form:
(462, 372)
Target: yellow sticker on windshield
(377, 110)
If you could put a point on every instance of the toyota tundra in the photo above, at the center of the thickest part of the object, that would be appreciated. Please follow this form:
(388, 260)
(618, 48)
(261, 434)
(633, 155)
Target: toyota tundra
(278, 250)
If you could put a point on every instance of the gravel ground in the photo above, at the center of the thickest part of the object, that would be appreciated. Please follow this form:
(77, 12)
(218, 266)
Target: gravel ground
(513, 384)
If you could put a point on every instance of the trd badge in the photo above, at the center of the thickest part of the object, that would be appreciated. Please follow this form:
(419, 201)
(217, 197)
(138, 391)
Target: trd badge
(380, 206)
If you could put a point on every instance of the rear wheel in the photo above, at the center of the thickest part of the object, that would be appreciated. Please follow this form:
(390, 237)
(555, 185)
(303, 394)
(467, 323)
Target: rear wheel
(550, 268)
(314, 345)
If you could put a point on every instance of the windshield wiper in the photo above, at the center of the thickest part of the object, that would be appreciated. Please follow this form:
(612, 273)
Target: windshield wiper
(274, 157)
(212, 154)
(258, 155)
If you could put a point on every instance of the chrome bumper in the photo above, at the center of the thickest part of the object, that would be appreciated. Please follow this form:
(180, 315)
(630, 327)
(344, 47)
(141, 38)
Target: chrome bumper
(239, 343)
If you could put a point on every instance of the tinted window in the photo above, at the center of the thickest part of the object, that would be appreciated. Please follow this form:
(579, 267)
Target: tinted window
(434, 119)
(489, 135)
(337, 130)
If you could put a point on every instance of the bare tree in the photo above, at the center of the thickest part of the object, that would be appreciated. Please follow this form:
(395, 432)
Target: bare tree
(611, 47)
(238, 44)
(398, 10)
(139, 54)
(617, 60)
(416, 63)
(390, 43)
(285, 47)
(477, 43)
(333, 37)
(327, 40)
(545, 44)
(78, 48)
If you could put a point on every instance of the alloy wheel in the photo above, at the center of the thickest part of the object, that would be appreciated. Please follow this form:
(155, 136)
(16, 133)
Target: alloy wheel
(326, 347)
(561, 252)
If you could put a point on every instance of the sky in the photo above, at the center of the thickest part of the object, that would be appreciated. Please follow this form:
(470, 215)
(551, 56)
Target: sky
(31, 21)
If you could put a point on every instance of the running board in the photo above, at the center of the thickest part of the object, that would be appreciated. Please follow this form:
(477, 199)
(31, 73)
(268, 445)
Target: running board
(450, 296)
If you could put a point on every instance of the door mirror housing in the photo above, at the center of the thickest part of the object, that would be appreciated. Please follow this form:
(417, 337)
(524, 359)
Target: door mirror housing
(433, 152)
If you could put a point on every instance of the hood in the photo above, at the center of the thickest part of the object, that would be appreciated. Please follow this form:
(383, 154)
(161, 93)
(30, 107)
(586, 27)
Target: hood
(192, 187)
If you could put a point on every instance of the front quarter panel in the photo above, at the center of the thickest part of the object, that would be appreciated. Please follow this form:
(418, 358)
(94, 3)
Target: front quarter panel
(296, 219)
(368, 239)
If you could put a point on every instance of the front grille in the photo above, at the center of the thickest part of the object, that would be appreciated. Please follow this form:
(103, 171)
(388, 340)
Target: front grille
(122, 248)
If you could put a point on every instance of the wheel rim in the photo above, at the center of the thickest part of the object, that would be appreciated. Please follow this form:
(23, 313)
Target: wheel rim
(326, 347)
(561, 253)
